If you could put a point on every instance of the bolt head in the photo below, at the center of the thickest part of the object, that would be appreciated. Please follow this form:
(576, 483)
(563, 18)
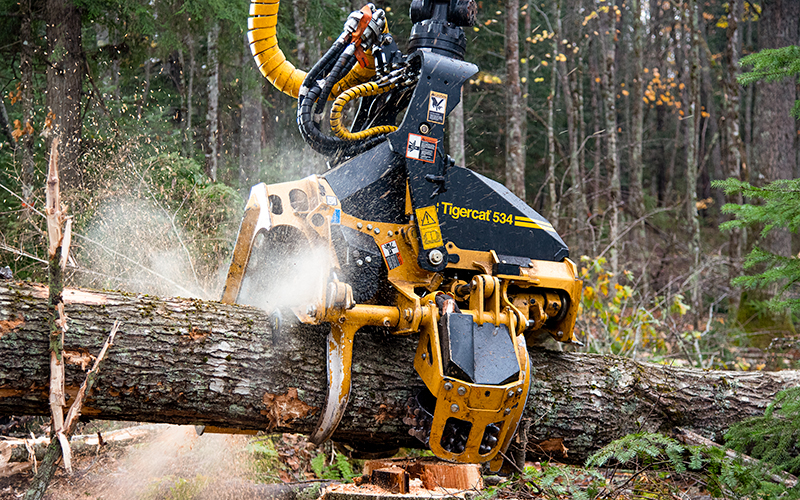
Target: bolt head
(424, 128)
(368, 259)
(454, 408)
(511, 393)
(462, 390)
(359, 225)
(369, 227)
(359, 262)
(507, 411)
(447, 385)
(377, 230)
(435, 257)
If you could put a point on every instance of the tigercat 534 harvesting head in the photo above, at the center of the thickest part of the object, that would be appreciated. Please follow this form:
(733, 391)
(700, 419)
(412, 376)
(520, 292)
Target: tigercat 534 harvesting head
(402, 238)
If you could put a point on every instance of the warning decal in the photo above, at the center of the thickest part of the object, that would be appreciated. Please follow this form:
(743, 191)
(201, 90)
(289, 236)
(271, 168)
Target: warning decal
(421, 148)
(429, 231)
(391, 254)
(437, 105)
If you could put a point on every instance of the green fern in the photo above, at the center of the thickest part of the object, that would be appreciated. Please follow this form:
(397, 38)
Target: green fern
(775, 437)
(723, 476)
(341, 468)
(646, 448)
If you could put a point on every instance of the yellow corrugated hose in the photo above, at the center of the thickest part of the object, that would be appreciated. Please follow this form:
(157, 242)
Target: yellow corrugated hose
(363, 90)
(262, 35)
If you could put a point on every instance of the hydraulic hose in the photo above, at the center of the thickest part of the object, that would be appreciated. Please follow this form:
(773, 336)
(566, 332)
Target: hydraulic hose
(311, 103)
(262, 35)
(364, 90)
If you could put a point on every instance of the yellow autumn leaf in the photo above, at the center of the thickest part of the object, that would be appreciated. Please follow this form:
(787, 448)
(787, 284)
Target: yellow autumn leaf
(538, 80)
(625, 93)
(544, 63)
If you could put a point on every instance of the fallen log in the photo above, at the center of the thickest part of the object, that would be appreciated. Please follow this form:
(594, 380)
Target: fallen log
(188, 361)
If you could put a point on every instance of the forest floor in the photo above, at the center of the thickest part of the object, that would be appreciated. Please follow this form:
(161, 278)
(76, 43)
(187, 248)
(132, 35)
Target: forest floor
(177, 464)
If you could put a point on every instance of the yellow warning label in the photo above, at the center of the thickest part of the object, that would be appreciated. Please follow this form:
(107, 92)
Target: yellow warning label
(429, 231)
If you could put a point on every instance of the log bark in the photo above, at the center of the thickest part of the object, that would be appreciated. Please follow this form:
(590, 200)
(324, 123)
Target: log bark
(187, 361)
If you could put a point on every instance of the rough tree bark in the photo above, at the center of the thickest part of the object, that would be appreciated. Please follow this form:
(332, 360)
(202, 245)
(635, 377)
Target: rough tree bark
(187, 361)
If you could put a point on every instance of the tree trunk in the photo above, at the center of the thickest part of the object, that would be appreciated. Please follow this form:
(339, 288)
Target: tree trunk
(188, 131)
(251, 121)
(212, 114)
(568, 85)
(608, 38)
(775, 132)
(515, 111)
(555, 209)
(188, 361)
(636, 188)
(691, 157)
(774, 153)
(734, 149)
(26, 73)
(65, 71)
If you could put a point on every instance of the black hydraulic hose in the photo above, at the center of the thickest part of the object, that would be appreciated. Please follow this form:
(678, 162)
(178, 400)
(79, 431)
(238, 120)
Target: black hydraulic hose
(318, 71)
(315, 99)
(342, 67)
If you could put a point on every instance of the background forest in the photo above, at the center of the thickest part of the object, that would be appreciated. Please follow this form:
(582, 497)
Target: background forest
(612, 118)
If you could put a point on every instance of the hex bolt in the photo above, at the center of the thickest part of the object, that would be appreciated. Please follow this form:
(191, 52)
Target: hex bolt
(511, 393)
(454, 408)
(507, 411)
(448, 385)
(462, 390)
(519, 391)
(369, 227)
(359, 225)
(377, 230)
(435, 257)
